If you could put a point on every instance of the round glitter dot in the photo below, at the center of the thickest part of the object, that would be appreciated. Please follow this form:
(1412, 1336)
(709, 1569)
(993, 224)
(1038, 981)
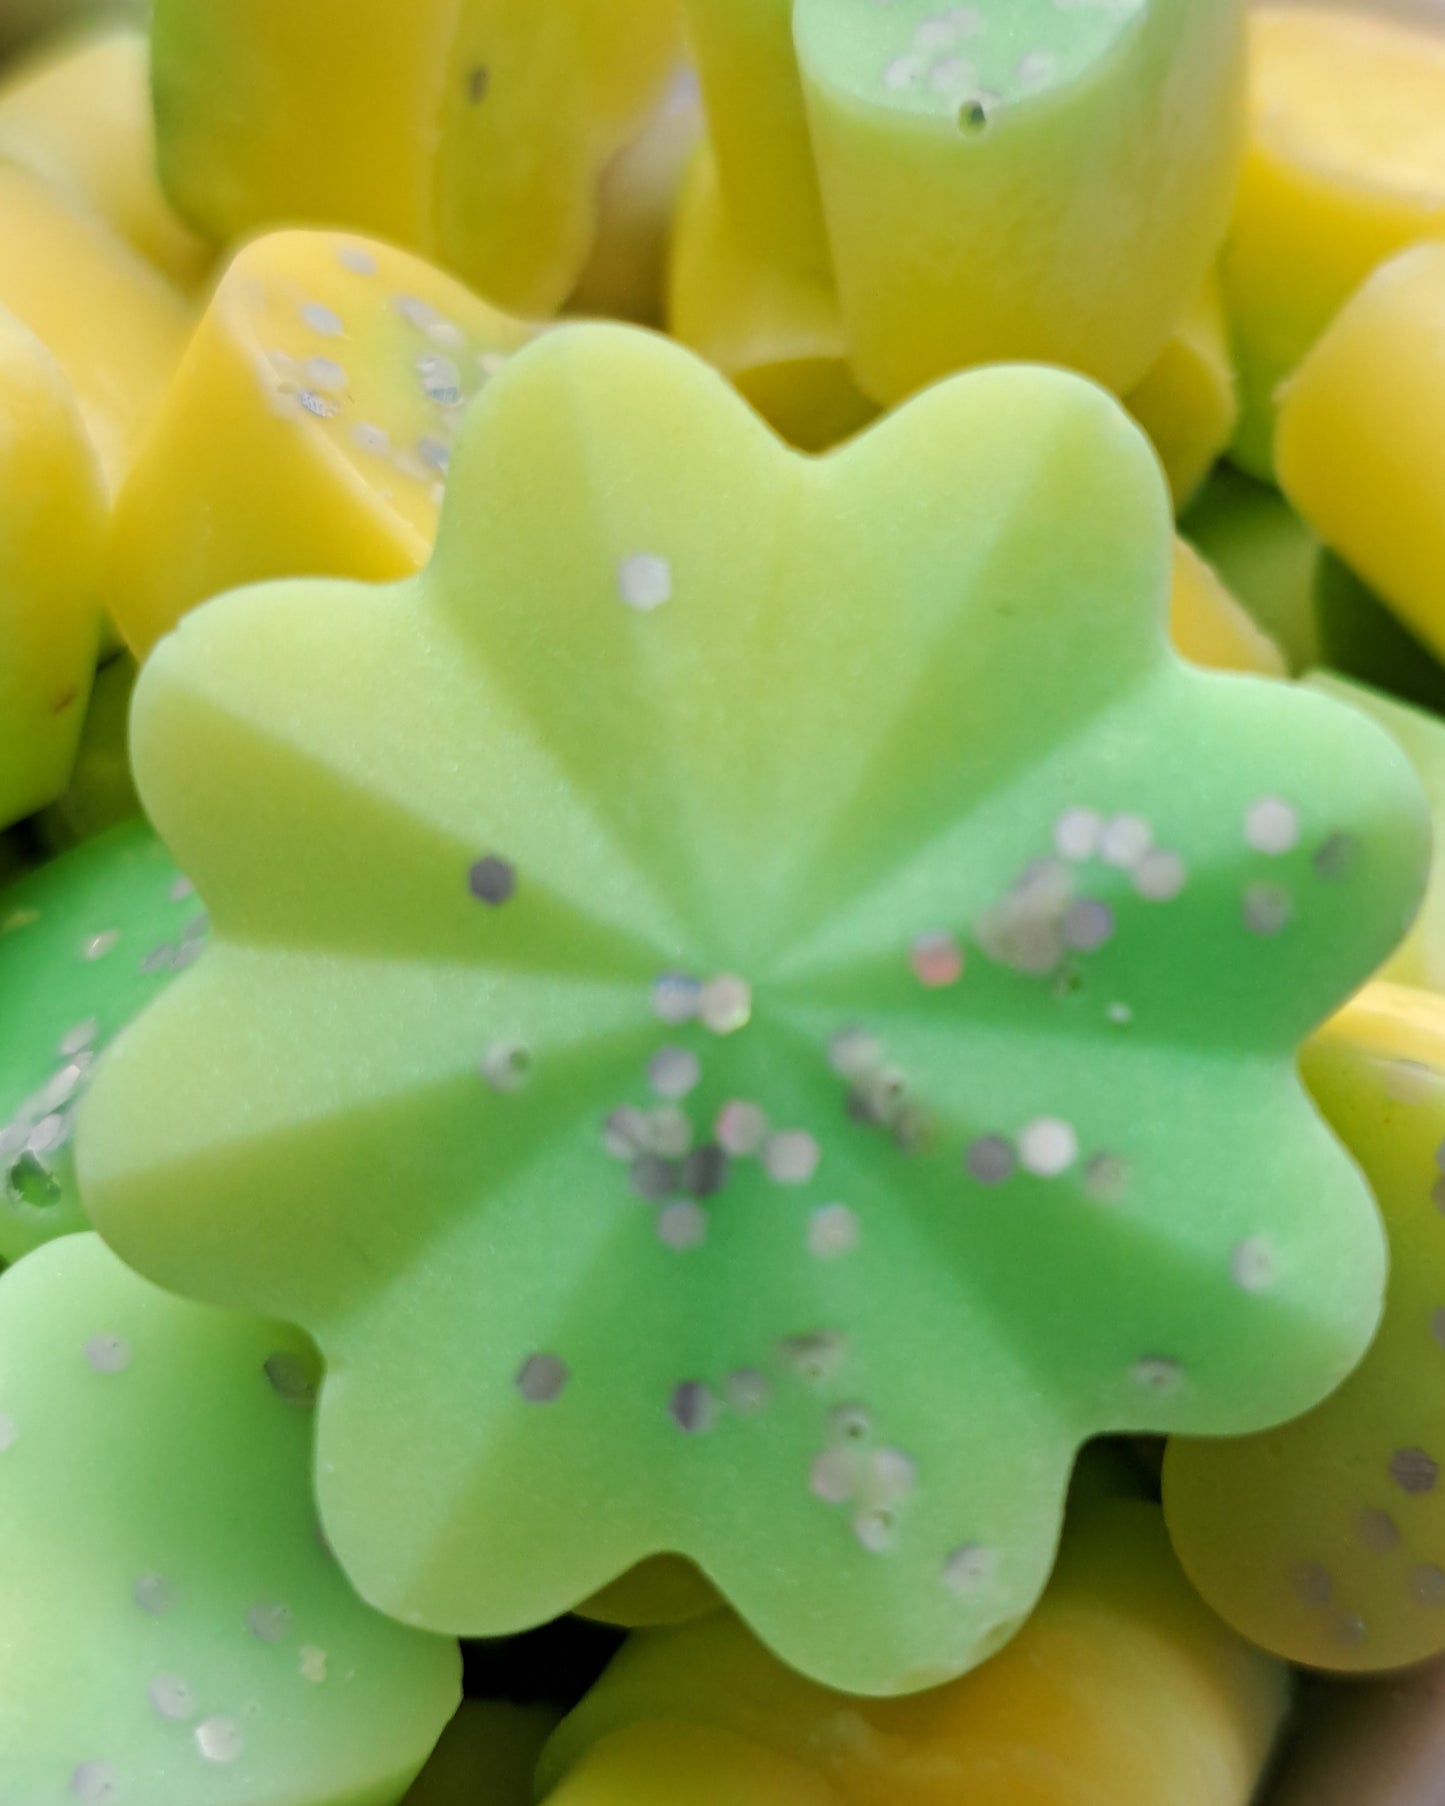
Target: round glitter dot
(291, 1379)
(937, 961)
(852, 1422)
(325, 321)
(676, 998)
(833, 1231)
(1088, 925)
(1437, 1326)
(1119, 1015)
(542, 1379)
(108, 1354)
(1336, 856)
(892, 1474)
(693, 1408)
(1036, 68)
(1048, 1147)
(904, 72)
(853, 1053)
(269, 1622)
(726, 1005)
(154, 1595)
(1350, 1629)
(624, 1134)
(682, 1225)
(990, 1160)
(876, 1530)
(1312, 1584)
(791, 1156)
(1252, 1264)
(81, 1037)
(172, 1697)
(493, 880)
(834, 1475)
(1414, 1471)
(95, 1783)
(434, 454)
(1377, 1531)
(644, 581)
(219, 1739)
(705, 1171)
(1106, 1178)
(654, 1179)
(99, 945)
(673, 1071)
(817, 1357)
(669, 1133)
(1426, 1585)
(9, 1433)
(1159, 876)
(1268, 909)
(1272, 826)
(506, 1066)
(441, 381)
(1157, 1373)
(969, 1569)
(741, 1128)
(1125, 840)
(372, 439)
(325, 374)
(312, 1664)
(1076, 834)
(359, 261)
(747, 1391)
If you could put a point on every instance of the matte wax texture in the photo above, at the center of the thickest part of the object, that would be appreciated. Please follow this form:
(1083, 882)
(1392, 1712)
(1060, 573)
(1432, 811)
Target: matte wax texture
(758, 993)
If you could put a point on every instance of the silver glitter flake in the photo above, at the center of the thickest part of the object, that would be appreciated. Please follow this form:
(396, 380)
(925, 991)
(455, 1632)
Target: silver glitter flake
(726, 1004)
(741, 1128)
(269, 1622)
(172, 1697)
(1377, 1531)
(324, 321)
(682, 1226)
(991, 1160)
(676, 998)
(1272, 826)
(674, 1071)
(833, 1232)
(95, 1784)
(1157, 1373)
(969, 1569)
(791, 1156)
(1414, 1471)
(1268, 909)
(644, 581)
(747, 1391)
(154, 1595)
(108, 1354)
(493, 880)
(219, 1739)
(693, 1408)
(542, 1378)
(506, 1066)
(291, 1379)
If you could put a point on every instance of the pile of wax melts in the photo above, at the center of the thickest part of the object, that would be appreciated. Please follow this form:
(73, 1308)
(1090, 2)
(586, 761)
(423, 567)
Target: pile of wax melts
(721, 968)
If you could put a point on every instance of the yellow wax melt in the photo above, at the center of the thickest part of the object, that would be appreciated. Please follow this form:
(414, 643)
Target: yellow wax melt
(774, 330)
(308, 430)
(471, 130)
(1266, 555)
(1346, 166)
(627, 274)
(51, 513)
(1362, 438)
(663, 1590)
(80, 118)
(1210, 628)
(115, 325)
(487, 1756)
(667, 1764)
(1121, 1690)
(1187, 403)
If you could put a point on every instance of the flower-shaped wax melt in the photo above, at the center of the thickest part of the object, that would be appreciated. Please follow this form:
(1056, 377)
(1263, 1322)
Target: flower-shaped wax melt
(1362, 436)
(308, 429)
(52, 518)
(1345, 166)
(176, 1633)
(113, 323)
(1325, 1540)
(788, 937)
(1113, 1692)
(474, 132)
(80, 118)
(914, 150)
(84, 942)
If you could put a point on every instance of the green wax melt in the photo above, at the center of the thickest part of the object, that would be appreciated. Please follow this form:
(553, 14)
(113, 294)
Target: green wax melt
(756, 993)
(176, 1633)
(84, 943)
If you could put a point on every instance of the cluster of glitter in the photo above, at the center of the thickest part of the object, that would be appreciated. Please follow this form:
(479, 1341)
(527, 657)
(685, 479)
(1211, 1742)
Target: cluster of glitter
(878, 1091)
(872, 1482)
(449, 370)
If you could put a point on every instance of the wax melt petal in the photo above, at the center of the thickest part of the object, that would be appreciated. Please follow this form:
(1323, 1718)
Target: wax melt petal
(52, 514)
(1112, 1691)
(1324, 1540)
(475, 133)
(180, 1635)
(1345, 166)
(789, 936)
(308, 430)
(84, 943)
